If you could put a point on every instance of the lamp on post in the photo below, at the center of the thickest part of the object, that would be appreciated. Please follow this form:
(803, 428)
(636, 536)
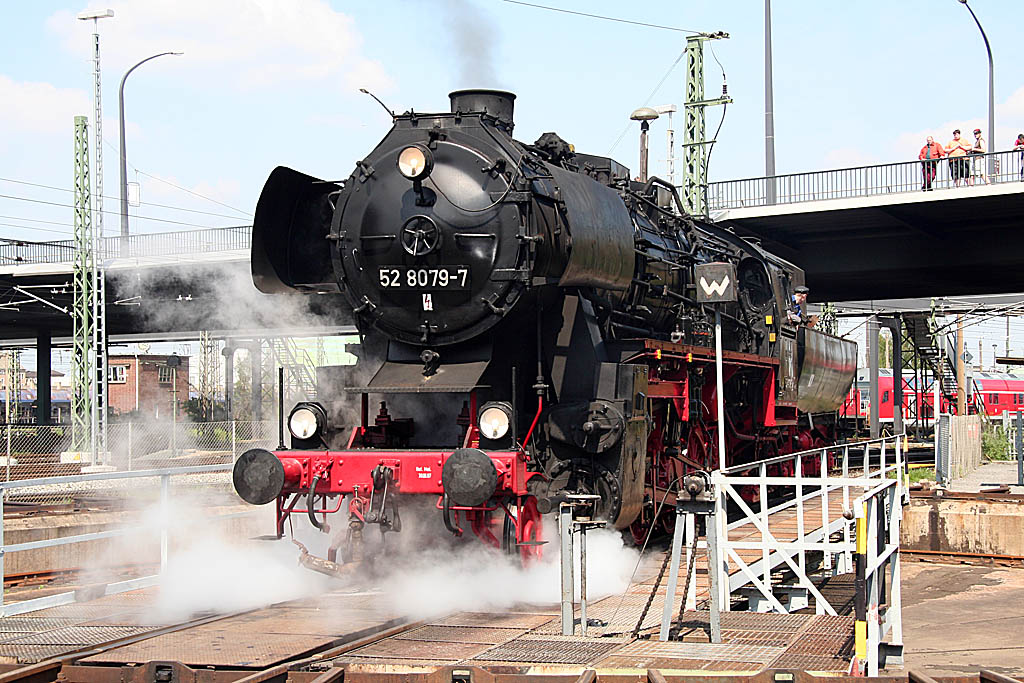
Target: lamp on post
(644, 115)
(990, 165)
(124, 156)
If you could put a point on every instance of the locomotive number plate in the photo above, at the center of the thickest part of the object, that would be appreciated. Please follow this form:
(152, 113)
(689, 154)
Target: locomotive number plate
(402, 277)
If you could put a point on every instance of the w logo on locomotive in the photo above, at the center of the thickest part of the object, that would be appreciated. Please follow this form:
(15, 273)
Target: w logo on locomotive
(715, 287)
(717, 282)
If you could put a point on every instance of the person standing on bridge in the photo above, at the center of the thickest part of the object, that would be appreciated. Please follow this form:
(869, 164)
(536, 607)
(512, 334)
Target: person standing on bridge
(978, 158)
(929, 156)
(1019, 147)
(956, 150)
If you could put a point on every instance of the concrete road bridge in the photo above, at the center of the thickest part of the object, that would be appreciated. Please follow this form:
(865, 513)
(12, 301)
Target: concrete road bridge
(159, 285)
(873, 232)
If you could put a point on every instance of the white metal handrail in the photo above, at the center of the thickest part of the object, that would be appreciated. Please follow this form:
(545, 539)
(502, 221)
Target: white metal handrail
(900, 177)
(862, 537)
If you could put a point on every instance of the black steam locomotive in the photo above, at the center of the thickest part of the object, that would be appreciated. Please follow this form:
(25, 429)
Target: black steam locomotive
(539, 323)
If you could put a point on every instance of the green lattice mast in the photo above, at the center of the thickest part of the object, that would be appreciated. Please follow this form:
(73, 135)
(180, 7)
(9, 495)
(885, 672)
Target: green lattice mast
(695, 150)
(81, 314)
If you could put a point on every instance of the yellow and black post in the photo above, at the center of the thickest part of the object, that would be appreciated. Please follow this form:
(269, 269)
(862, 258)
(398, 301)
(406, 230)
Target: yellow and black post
(860, 563)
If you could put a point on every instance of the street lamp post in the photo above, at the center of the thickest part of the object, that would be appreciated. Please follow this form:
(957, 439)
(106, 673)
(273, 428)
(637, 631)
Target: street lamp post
(769, 108)
(991, 94)
(124, 155)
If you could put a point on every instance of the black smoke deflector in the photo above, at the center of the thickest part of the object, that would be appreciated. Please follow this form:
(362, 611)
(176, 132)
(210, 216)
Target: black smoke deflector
(290, 249)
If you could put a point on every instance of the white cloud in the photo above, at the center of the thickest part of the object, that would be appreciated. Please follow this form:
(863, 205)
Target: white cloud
(240, 43)
(40, 107)
(905, 146)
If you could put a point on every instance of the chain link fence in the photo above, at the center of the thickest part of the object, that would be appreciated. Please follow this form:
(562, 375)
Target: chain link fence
(32, 452)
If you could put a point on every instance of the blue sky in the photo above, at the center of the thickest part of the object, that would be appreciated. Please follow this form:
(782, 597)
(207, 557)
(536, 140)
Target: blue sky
(275, 82)
(268, 82)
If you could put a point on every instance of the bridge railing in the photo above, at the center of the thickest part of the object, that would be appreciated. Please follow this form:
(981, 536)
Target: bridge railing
(176, 243)
(866, 181)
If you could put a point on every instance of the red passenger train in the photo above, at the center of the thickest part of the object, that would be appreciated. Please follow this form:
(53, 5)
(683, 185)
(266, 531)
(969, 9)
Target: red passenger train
(991, 393)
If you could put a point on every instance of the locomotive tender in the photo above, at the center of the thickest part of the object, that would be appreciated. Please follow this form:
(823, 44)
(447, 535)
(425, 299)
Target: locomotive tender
(539, 328)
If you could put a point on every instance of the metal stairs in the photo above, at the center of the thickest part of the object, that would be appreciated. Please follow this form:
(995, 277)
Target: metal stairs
(299, 367)
(927, 347)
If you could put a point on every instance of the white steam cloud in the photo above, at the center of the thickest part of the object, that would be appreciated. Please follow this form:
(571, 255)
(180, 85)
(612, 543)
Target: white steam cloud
(475, 579)
(213, 568)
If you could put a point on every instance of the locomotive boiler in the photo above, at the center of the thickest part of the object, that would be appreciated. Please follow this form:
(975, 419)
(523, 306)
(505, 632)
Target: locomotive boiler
(536, 319)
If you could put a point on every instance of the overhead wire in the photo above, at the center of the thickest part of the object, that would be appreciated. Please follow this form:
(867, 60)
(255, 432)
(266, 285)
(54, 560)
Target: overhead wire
(37, 220)
(113, 213)
(649, 98)
(179, 187)
(34, 227)
(721, 121)
(185, 189)
(603, 17)
(106, 196)
(600, 16)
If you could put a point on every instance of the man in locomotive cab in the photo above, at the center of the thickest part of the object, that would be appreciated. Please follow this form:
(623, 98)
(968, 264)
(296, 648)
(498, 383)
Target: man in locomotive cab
(797, 313)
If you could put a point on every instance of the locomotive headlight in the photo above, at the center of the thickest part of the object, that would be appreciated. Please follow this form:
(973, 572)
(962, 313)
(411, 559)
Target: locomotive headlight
(494, 420)
(307, 420)
(415, 162)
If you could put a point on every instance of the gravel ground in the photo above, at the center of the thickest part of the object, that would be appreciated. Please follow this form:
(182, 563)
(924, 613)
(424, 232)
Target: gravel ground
(1001, 472)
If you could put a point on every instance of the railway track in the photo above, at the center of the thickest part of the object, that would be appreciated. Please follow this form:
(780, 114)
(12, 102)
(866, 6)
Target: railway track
(329, 665)
(76, 575)
(954, 557)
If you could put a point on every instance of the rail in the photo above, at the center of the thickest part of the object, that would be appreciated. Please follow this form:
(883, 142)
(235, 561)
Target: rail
(176, 243)
(164, 475)
(866, 181)
(846, 510)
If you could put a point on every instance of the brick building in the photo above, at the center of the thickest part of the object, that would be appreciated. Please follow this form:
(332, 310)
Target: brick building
(147, 384)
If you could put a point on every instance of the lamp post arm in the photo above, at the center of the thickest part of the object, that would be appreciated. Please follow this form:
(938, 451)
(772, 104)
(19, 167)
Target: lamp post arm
(123, 153)
(984, 37)
(991, 91)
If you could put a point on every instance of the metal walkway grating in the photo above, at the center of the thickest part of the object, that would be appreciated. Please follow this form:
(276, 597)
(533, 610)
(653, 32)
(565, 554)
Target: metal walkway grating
(549, 651)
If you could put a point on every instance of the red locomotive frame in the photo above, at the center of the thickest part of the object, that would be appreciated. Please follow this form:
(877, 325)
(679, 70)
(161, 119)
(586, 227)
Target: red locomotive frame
(360, 473)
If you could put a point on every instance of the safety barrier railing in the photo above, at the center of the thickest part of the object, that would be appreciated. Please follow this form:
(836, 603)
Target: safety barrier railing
(48, 483)
(175, 243)
(34, 451)
(846, 502)
(867, 181)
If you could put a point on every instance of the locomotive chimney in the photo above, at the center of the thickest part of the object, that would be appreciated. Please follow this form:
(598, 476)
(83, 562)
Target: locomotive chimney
(498, 103)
